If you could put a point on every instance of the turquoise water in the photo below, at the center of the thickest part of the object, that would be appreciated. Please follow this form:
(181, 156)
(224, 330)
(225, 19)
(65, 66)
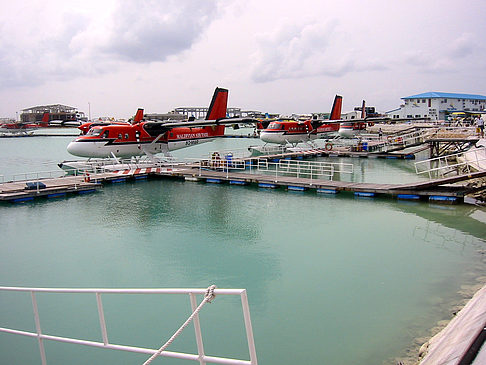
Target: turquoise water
(330, 279)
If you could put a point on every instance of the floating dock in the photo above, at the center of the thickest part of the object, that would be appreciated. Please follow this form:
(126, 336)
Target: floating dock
(436, 190)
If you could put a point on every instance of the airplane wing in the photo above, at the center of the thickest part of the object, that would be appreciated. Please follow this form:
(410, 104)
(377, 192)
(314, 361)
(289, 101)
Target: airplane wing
(65, 123)
(367, 120)
(198, 123)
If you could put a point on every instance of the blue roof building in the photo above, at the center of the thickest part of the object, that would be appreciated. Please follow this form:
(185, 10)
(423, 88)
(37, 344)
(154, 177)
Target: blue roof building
(439, 105)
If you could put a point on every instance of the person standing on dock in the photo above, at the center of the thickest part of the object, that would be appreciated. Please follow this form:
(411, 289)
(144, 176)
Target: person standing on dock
(380, 133)
(481, 127)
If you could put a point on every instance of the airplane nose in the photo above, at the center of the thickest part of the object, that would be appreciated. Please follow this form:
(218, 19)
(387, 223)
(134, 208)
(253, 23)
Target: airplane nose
(75, 148)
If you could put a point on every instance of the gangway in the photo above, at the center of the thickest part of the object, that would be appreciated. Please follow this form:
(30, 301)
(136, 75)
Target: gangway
(200, 357)
(458, 163)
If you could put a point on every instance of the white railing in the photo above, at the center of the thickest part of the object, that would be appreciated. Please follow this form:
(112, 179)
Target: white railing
(107, 165)
(267, 150)
(297, 168)
(201, 357)
(463, 162)
(39, 175)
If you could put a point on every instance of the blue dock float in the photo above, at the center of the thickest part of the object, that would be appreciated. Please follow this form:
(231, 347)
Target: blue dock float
(23, 199)
(118, 180)
(56, 195)
(213, 181)
(87, 191)
(445, 199)
(238, 182)
(267, 186)
(363, 194)
(408, 197)
(296, 188)
(141, 177)
(327, 191)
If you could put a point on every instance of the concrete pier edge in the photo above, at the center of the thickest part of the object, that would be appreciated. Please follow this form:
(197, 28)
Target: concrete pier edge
(452, 343)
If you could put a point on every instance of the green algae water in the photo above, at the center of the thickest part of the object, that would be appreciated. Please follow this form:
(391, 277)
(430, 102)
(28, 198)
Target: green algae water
(330, 279)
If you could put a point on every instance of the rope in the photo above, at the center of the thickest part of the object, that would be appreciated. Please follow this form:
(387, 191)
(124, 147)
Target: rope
(208, 298)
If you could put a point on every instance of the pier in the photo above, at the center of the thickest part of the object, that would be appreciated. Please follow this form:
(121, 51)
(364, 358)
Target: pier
(276, 171)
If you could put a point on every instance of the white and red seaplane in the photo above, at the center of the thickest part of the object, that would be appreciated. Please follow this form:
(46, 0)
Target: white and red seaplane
(149, 137)
(287, 131)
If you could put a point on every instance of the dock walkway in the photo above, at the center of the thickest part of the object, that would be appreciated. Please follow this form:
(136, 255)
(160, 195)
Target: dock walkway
(432, 190)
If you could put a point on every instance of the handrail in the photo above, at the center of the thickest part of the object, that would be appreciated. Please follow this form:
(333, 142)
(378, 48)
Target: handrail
(297, 168)
(444, 164)
(200, 357)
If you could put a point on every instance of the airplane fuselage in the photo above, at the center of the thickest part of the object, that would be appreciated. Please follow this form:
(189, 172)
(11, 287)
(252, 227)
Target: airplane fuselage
(126, 140)
(290, 131)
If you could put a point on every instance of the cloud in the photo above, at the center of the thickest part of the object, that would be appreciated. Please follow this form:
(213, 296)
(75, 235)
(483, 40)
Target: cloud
(57, 43)
(449, 57)
(150, 30)
(305, 50)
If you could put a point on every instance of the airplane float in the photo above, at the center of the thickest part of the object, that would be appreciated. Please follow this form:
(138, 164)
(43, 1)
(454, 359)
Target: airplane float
(149, 137)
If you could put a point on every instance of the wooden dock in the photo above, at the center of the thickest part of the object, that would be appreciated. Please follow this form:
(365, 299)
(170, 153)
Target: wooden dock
(434, 190)
(57, 187)
(438, 190)
(21, 191)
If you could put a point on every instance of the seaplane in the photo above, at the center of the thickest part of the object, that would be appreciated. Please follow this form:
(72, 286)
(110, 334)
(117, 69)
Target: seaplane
(287, 131)
(149, 137)
(350, 129)
(22, 128)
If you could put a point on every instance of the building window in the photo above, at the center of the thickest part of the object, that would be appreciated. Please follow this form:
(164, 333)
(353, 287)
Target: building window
(423, 101)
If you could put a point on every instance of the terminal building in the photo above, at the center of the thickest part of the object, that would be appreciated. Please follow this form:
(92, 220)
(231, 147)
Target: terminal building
(56, 112)
(439, 106)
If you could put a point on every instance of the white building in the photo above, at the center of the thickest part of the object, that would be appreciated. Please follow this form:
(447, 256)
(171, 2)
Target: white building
(438, 106)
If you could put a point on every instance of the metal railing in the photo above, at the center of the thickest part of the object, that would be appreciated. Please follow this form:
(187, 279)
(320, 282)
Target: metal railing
(296, 168)
(109, 165)
(459, 163)
(201, 357)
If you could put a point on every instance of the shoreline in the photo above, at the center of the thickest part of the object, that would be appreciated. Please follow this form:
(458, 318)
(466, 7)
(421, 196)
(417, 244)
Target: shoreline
(415, 352)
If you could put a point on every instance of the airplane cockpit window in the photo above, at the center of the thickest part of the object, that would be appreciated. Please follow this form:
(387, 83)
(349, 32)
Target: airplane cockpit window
(94, 132)
(275, 126)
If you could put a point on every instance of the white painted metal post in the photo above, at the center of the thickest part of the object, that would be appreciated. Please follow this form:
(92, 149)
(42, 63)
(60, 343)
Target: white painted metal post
(38, 329)
(197, 329)
(101, 316)
(248, 327)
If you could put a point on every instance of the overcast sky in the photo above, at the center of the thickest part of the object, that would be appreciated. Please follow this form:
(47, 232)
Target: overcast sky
(274, 56)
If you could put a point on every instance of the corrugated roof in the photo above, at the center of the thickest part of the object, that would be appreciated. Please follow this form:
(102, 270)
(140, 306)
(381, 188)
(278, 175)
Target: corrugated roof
(432, 94)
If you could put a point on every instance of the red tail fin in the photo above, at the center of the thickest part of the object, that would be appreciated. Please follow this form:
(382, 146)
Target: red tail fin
(363, 110)
(139, 116)
(45, 120)
(336, 108)
(219, 103)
